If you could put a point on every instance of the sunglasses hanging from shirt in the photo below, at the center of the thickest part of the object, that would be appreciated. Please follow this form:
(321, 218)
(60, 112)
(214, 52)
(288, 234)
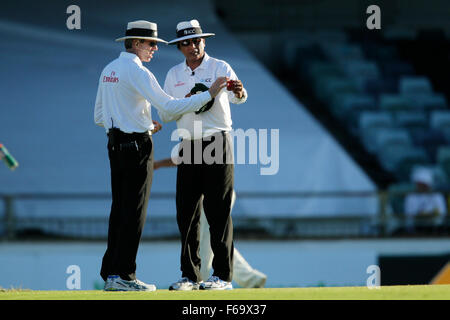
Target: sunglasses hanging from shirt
(198, 88)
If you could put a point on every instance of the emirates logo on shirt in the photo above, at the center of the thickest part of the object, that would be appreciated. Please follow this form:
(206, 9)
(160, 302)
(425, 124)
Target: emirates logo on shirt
(179, 84)
(112, 78)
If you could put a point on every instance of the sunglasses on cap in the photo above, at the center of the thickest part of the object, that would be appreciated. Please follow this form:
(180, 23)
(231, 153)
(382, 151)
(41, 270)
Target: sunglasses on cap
(188, 42)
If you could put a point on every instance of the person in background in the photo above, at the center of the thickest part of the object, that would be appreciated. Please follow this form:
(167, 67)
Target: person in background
(424, 207)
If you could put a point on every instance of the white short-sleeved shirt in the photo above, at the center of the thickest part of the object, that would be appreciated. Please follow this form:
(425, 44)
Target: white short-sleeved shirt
(126, 92)
(181, 79)
(416, 203)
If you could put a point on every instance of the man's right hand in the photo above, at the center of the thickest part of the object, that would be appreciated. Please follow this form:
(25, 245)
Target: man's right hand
(219, 84)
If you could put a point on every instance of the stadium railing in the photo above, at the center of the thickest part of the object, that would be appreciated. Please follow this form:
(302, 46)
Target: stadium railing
(388, 222)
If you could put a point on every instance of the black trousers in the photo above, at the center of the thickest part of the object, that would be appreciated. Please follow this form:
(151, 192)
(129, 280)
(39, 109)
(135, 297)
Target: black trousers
(131, 162)
(215, 182)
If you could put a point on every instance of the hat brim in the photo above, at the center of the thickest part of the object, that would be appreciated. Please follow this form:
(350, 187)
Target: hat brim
(198, 35)
(137, 37)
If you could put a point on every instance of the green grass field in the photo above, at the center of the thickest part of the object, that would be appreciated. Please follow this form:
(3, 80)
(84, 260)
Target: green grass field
(423, 292)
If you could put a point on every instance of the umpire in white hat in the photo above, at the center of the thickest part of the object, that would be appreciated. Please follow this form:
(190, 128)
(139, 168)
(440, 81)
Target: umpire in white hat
(214, 181)
(126, 92)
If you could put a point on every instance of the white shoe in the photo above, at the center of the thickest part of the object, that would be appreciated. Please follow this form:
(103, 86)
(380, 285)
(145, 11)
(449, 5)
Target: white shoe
(115, 283)
(215, 283)
(184, 284)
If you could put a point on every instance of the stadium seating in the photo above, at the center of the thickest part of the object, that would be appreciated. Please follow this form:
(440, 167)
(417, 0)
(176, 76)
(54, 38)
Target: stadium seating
(411, 119)
(348, 106)
(379, 119)
(416, 156)
(415, 85)
(327, 36)
(440, 178)
(380, 97)
(375, 87)
(369, 124)
(395, 68)
(440, 119)
(291, 48)
(319, 69)
(400, 159)
(395, 102)
(443, 159)
(429, 102)
(391, 137)
(445, 132)
(360, 71)
(341, 52)
(373, 51)
(428, 138)
(329, 86)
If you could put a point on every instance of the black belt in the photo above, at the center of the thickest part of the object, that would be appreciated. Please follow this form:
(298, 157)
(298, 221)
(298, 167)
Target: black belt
(123, 140)
(125, 137)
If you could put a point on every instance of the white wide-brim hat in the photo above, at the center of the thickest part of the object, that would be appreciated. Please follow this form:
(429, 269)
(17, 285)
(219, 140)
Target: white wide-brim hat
(188, 30)
(141, 29)
(422, 175)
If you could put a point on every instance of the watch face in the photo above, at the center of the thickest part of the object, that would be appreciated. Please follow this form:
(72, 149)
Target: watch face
(199, 88)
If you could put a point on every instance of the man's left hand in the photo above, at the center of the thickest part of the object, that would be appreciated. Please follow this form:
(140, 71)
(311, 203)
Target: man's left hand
(157, 127)
(238, 89)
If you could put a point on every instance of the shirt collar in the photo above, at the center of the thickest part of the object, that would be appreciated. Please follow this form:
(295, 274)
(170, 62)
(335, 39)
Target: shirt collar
(132, 56)
(203, 65)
